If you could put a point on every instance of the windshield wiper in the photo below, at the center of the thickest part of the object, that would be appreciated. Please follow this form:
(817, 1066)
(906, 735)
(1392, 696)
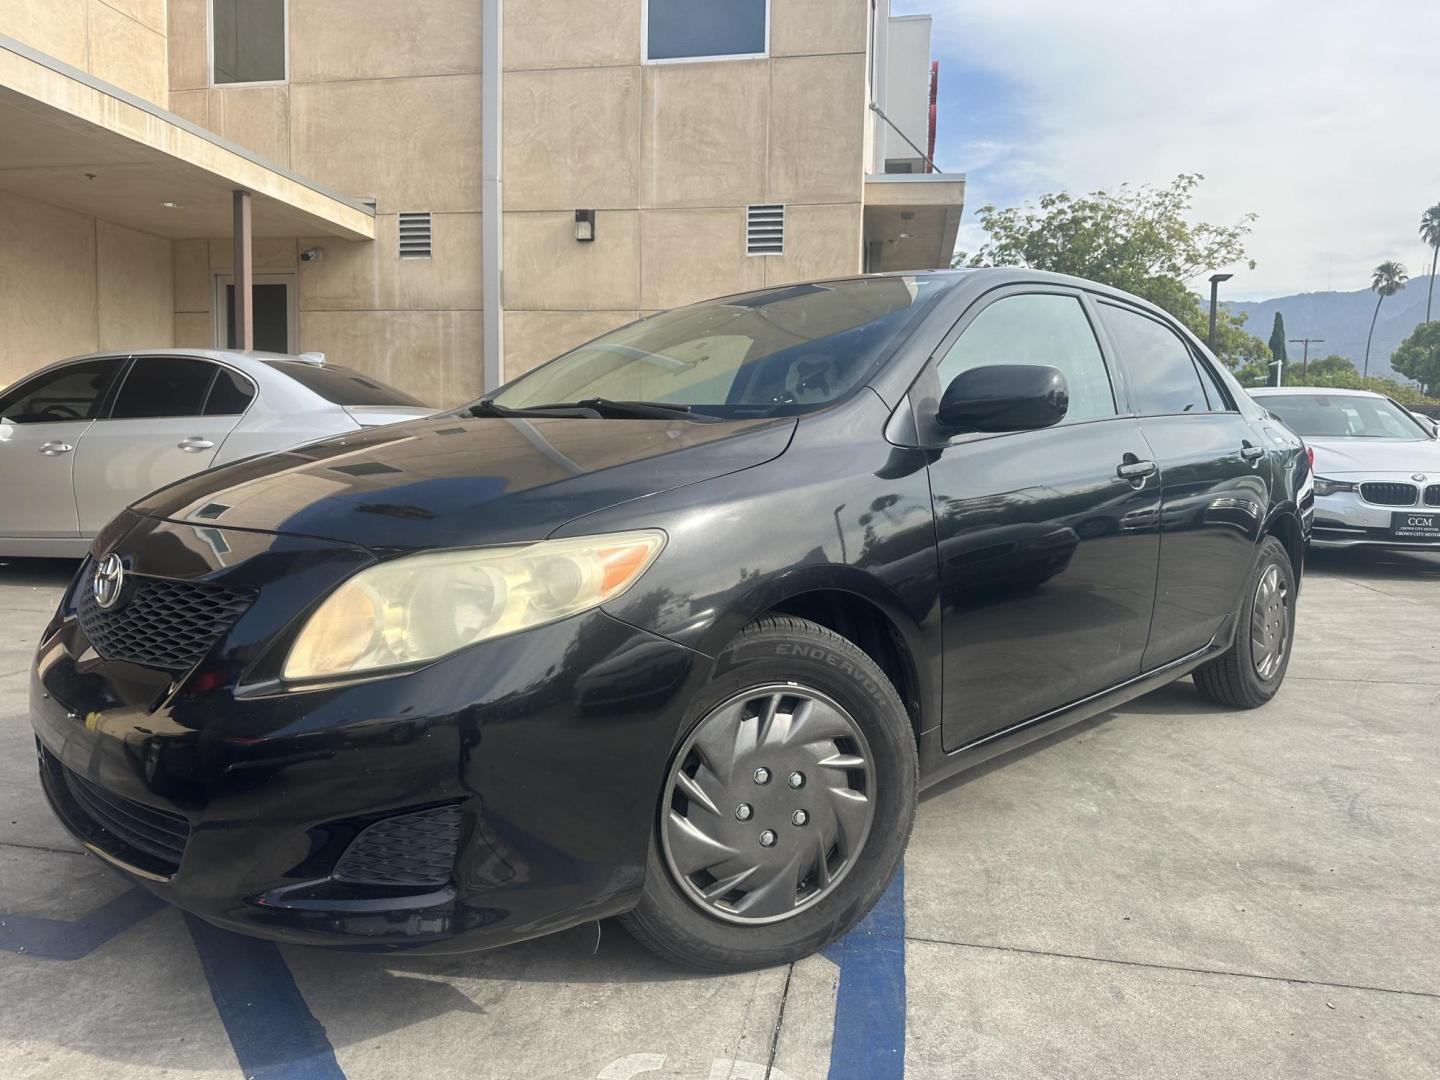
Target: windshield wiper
(486, 407)
(592, 408)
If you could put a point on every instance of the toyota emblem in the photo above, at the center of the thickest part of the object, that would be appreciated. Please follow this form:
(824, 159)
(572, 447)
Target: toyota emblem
(1418, 477)
(108, 580)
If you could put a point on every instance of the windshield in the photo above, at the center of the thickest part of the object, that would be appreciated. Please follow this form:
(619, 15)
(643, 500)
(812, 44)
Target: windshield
(774, 353)
(1336, 416)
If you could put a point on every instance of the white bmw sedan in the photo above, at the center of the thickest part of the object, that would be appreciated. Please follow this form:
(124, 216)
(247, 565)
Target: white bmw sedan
(82, 439)
(1377, 466)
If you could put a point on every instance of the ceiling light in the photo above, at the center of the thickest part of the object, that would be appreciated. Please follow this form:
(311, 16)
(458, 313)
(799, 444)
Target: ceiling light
(173, 205)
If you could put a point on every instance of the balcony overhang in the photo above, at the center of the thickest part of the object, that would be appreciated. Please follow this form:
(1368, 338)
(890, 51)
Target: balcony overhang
(911, 220)
(71, 140)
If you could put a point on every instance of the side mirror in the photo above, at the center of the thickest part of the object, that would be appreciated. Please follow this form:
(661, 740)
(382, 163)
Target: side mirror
(1005, 397)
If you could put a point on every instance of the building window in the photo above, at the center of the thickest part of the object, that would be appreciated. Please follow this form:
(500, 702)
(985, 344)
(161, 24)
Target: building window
(706, 29)
(247, 41)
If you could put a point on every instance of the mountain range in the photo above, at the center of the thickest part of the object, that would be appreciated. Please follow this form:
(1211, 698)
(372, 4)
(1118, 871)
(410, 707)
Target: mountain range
(1343, 320)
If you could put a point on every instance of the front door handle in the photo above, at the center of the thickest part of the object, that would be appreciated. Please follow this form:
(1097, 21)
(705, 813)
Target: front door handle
(195, 444)
(53, 449)
(1132, 468)
(1251, 453)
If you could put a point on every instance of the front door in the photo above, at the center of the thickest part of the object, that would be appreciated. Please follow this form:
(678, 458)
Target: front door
(1047, 552)
(41, 422)
(1216, 488)
(168, 421)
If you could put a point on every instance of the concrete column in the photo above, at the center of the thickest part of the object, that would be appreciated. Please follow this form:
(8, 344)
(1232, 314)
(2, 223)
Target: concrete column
(492, 200)
(244, 264)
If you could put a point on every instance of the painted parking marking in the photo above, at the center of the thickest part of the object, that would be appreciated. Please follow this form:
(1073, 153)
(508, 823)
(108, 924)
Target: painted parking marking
(869, 1039)
(71, 939)
(273, 1031)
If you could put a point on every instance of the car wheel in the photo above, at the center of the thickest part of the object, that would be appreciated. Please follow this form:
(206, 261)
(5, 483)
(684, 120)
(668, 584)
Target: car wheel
(1250, 673)
(787, 806)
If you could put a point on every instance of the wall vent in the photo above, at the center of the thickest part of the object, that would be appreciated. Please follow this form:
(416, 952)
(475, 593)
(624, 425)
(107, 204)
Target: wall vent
(415, 235)
(765, 229)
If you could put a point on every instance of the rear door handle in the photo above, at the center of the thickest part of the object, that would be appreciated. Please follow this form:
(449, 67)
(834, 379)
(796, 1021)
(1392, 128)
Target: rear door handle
(1134, 469)
(52, 449)
(195, 444)
(1251, 453)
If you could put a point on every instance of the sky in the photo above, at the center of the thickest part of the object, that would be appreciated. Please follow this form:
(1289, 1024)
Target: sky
(1323, 118)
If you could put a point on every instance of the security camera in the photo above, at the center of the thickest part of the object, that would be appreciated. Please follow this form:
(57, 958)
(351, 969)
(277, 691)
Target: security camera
(314, 254)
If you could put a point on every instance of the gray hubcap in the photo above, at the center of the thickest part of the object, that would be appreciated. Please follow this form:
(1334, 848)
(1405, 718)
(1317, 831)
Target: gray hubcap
(1270, 623)
(768, 804)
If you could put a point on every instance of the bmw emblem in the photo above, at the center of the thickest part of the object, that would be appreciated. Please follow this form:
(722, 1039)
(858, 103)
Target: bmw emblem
(1418, 477)
(107, 582)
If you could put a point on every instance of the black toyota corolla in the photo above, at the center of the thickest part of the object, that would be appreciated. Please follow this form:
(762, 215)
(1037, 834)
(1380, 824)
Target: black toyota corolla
(673, 627)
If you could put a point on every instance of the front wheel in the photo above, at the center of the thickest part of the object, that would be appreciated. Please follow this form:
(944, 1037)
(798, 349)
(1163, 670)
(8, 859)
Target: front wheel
(787, 806)
(1250, 673)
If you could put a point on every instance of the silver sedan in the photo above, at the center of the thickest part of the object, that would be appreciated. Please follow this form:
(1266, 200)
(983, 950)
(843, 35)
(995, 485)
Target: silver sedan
(82, 439)
(1377, 466)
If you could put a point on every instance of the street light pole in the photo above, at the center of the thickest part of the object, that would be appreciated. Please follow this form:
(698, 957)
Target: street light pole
(1305, 361)
(1215, 280)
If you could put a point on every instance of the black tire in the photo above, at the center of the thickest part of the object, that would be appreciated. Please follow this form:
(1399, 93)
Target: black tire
(784, 649)
(1232, 679)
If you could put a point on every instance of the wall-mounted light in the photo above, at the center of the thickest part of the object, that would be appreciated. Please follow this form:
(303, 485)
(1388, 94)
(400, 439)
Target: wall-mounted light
(584, 225)
(314, 254)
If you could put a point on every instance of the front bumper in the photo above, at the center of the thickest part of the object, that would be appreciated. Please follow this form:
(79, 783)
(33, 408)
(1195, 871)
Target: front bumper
(550, 744)
(1346, 519)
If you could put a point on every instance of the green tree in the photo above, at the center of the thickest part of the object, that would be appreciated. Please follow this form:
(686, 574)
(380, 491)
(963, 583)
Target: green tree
(1430, 233)
(1332, 365)
(1388, 279)
(1277, 342)
(1135, 238)
(1418, 357)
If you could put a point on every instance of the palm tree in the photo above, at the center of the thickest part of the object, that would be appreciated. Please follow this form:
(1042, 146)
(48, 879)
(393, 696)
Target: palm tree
(1388, 279)
(1430, 233)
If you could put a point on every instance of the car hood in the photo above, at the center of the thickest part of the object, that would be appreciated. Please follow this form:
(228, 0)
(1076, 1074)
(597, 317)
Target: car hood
(1341, 456)
(449, 481)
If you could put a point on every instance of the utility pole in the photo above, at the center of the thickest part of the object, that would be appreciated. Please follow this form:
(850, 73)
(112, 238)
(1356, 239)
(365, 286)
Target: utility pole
(1305, 363)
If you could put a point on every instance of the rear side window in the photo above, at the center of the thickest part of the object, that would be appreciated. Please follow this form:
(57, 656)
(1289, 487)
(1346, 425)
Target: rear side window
(230, 394)
(164, 386)
(1045, 329)
(1159, 370)
(73, 392)
(341, 385)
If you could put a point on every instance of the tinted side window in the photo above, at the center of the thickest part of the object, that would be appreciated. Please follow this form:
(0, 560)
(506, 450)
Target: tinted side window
(230, 395)
(1214, 392)
(164, 386)
(341, 385)
(71, 393)
(1044, 329)
(1159, 370)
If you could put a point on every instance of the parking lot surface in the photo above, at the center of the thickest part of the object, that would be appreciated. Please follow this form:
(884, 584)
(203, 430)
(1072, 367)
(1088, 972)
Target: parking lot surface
(1169, 890)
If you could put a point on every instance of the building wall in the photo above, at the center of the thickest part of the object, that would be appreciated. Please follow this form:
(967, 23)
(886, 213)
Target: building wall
(120, 41)
(386, 103)
(907, 88)
(73, 284)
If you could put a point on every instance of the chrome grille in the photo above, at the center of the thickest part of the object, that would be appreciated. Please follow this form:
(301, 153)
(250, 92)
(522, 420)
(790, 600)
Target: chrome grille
(160, 623)
(1389, 494)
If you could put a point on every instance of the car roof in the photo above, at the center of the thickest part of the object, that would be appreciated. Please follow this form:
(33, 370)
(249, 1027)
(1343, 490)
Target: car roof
(1321, 391)
(253, 362)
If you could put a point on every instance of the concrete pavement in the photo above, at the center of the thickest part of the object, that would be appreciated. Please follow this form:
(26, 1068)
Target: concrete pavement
(1167, 891)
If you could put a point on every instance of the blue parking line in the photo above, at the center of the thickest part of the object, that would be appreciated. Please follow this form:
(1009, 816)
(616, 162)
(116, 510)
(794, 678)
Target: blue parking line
(273, 1031)
(869, 1040)
(71, 939)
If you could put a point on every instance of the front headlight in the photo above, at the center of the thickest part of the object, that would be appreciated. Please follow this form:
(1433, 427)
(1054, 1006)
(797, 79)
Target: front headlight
(422, 607)
(1331, 487)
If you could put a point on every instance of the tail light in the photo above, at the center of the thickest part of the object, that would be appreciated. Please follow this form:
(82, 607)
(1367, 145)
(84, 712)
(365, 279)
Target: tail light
(1310, 457)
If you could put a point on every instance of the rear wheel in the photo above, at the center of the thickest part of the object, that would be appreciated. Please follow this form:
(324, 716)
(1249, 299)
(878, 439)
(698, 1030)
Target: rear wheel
(1250, 673)
(786, 807)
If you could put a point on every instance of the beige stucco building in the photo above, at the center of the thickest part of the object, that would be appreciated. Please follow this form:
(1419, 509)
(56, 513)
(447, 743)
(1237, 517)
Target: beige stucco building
(717, 147)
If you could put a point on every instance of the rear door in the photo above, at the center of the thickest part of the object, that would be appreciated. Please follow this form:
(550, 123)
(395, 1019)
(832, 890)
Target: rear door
(41, 422)
(169, 417)
(1047, 539)
(1215, 488)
